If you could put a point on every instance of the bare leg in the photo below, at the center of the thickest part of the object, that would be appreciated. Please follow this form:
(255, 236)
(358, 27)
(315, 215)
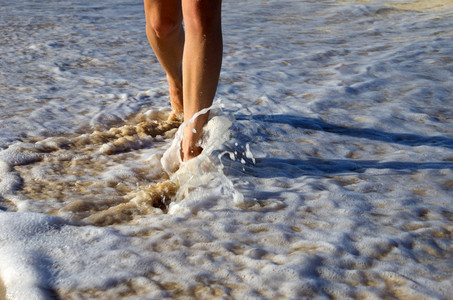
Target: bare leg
(194, 58)
(202, 60)
(166, 36)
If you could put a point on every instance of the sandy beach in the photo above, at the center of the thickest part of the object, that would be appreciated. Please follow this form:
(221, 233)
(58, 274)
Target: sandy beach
(327, 170)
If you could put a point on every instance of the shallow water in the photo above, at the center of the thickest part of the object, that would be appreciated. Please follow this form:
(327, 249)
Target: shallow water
(327, 170)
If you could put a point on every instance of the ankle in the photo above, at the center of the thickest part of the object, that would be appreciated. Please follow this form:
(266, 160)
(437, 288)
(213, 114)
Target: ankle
(191, 152)
(176, 95)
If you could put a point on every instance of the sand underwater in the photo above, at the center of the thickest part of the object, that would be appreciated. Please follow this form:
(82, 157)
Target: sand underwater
(327, 171)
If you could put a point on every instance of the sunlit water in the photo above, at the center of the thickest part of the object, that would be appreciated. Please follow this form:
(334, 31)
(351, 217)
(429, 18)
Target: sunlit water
(327, 170)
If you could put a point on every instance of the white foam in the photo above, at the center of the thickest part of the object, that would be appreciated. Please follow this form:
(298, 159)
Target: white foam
(202, 170)
(14, 155)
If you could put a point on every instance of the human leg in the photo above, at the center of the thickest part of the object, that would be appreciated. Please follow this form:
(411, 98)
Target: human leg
(166, 36)
(202, 60)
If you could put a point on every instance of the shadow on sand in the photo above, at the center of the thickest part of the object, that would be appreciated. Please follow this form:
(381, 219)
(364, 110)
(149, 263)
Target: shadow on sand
(366, 133)
(293, 168)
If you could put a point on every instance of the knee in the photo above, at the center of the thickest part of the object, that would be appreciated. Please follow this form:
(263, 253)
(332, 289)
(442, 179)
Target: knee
(162, 27)
(202, 16)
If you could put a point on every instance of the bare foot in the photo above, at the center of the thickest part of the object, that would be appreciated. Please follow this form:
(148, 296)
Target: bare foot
(189, 143)
(175, 117)
(190, 152)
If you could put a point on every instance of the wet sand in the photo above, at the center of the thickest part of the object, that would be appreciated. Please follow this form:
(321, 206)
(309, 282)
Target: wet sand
(2, 290)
